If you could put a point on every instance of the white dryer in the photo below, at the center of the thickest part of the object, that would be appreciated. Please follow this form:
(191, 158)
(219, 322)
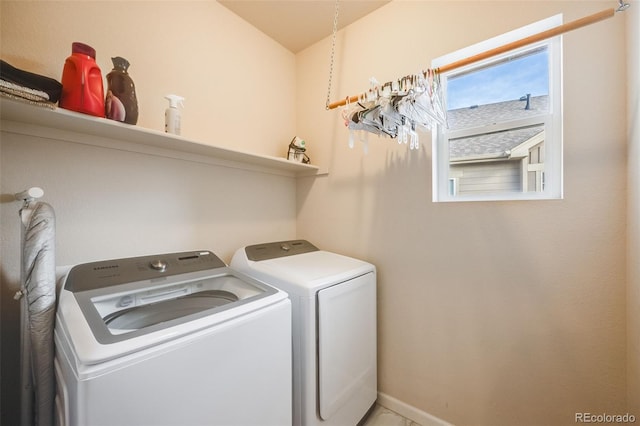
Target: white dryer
(174, 339)
(333, 300)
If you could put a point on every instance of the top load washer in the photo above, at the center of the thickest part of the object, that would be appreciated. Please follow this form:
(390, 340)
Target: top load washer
(333, 300)
(172, 339)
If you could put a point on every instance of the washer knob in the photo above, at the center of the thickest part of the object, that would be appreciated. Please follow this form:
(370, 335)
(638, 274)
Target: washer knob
(159, 265)
(285, 247)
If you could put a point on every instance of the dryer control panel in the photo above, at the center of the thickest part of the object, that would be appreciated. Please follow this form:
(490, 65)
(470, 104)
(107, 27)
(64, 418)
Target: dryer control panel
(278, 249)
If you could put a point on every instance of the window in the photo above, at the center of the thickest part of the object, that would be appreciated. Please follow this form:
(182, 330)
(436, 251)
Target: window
(503, 139)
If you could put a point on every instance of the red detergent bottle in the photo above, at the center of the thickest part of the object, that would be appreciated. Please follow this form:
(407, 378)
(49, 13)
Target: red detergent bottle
(82, 88)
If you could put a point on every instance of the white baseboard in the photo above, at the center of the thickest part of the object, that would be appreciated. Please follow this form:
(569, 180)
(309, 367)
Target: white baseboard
(410, 412)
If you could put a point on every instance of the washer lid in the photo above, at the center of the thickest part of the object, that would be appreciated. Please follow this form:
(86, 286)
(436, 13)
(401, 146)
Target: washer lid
(135, 318)
(134, 309)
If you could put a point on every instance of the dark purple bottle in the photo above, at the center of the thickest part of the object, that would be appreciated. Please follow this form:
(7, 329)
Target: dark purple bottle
(121, 103)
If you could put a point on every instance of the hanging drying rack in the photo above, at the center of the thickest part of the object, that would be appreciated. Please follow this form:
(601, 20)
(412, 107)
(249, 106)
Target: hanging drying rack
(561, 29)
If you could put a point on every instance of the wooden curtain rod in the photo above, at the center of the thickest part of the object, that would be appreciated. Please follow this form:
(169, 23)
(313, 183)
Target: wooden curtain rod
(561, 29)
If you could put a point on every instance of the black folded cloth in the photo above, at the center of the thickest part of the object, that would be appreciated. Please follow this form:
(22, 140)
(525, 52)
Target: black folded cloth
(27, 79)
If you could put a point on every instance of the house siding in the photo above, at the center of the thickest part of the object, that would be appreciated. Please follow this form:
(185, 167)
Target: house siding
(491, 177)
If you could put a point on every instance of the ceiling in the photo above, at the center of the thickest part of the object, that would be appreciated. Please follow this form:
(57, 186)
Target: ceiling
(297, 24)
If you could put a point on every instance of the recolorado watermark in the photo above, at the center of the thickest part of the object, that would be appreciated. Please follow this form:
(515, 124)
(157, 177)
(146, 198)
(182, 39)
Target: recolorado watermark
(604, 418)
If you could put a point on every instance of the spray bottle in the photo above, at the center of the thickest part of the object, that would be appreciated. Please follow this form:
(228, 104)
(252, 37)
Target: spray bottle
(172, 114)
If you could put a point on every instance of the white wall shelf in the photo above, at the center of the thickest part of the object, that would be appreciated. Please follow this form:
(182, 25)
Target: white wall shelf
(69, 126)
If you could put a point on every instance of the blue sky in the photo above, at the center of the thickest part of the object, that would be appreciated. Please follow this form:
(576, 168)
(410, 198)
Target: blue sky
(502, 82)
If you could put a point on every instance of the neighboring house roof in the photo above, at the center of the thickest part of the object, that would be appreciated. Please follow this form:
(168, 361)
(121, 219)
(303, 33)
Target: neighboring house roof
(491, 145)
(497, 144)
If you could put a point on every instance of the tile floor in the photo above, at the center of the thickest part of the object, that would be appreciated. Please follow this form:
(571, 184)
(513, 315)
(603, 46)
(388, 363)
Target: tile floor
(381, 416)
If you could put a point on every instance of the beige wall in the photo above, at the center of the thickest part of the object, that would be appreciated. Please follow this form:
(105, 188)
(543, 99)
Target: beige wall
(494, 313)
(240, 93)
(633, 266)
(238, 83)
(489, 313)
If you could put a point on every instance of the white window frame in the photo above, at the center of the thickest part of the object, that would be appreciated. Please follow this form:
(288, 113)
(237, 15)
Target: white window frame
(553, 178)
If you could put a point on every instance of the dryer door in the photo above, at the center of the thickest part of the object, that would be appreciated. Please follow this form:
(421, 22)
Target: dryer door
(347, 345)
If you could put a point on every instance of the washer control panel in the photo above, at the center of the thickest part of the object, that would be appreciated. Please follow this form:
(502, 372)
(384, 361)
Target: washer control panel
(91, 276)
(159, 265)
